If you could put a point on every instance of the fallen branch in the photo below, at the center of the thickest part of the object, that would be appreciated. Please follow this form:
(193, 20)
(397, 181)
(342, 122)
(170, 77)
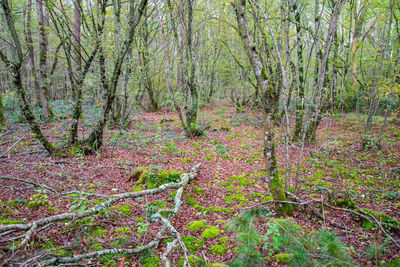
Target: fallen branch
(11, 147)
(31, 228)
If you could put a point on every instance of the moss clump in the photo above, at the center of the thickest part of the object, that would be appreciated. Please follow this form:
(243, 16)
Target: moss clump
(139, 174)
(285, 258)
(221, 248)
(34, 204)
(236, 198)
(192, 243)
(123, 230)
(242, 181)
(151, 261)
(196, 225)
(199, 191)
(144, 176)
(346, 203)
(7, 222)
(191, 201)
(192, 260)
(211, 232)
(125, 209)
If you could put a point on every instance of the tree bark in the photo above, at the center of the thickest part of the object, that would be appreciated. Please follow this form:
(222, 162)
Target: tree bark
(31, 51)
(43, 60)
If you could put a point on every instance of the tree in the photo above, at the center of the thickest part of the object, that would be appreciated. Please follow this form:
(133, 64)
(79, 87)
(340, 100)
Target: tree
(271, 102)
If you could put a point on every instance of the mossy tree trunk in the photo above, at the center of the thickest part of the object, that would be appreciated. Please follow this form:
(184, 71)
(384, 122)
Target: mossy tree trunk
(271, 101)
(2, 119)
(192, 95)
(145, 62)
(300, 77)
(15, 65)
(43, 79)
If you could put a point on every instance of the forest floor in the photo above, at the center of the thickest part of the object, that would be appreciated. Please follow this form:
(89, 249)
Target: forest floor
(336, 167)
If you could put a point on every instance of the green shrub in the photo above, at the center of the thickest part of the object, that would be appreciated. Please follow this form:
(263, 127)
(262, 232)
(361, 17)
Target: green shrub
(320, 248)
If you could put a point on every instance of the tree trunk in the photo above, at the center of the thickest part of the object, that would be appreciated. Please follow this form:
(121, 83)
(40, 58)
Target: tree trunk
(300, 77)
(76, 73)
(43, 61)
(31, 51)
(16, 64)
(270, 100)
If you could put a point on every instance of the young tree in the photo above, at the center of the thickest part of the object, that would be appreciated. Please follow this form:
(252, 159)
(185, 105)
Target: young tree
(271, 102)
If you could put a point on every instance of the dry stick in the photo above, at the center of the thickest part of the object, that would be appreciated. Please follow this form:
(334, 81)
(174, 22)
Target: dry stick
(12, 147)
(28, 182)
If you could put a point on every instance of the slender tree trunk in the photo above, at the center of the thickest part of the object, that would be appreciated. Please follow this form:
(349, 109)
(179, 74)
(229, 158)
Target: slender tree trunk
(43, 61)
(270, 109)
(31, 51)
(76, 73)
(16, 64)
(2, 119)
(300, 74)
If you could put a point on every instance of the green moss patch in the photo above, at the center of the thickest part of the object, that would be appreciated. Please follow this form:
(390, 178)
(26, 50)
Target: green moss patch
(125, 209)
(192, 243)
(8, 222)
(221, 248)
(193, 260)
(191, 201)
(196, 225)
(211, 232)
(145, 177)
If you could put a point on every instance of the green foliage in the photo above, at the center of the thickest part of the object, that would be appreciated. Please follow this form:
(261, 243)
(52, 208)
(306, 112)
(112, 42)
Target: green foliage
(221, 149)
(211, 232)
(394, 263)
(375, 250)
(98, 231)
(285, 258)
(320, 248)
(236, 198)
(248, 238)
(38, 200)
